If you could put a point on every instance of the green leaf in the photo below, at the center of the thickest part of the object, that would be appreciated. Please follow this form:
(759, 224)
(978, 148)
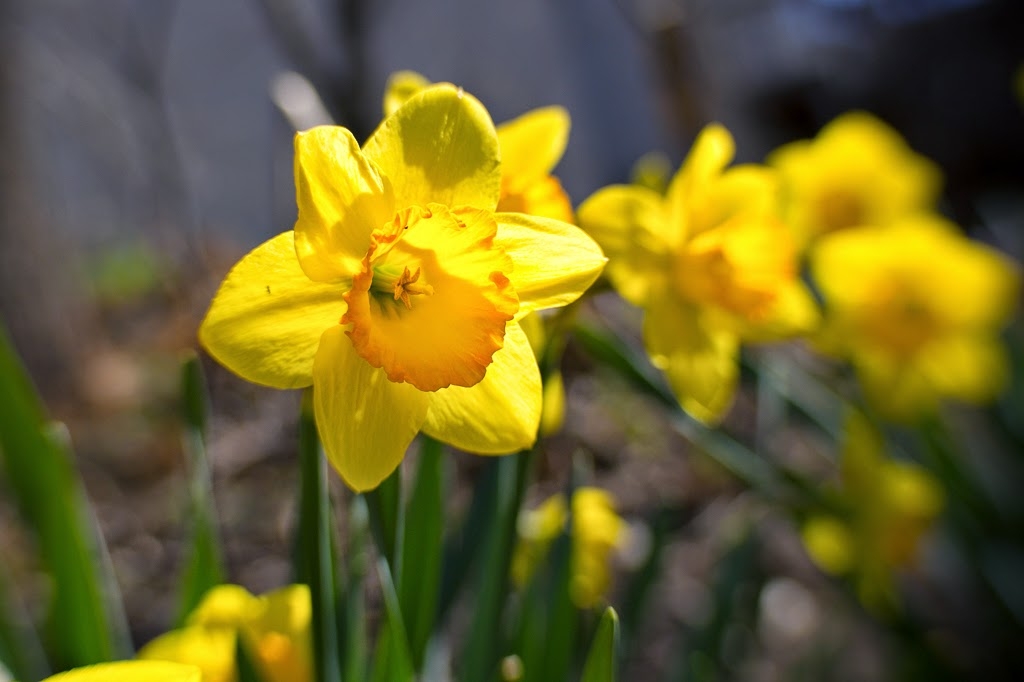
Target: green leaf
(481, 652)
(394, 659)
(21, 652)
(244, 665)
(462, 548)
(204, 568)
(314, 557)
(601, 661)
(83, 616)
(746, 465)
(353, 638)
(386, 518)
(421, 556)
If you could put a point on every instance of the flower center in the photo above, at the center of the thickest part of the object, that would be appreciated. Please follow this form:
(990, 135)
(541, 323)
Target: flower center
(402, 286)
(901, 319)
(432, 301)
(738, 266)
(839, 209)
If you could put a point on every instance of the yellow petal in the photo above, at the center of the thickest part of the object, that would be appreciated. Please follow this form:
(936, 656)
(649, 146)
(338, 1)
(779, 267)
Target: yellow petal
(366, 422)
(829, 543)
(971, 368)
(554, 262)
(501, 413)
(544, 197)
(223, 606)
(794, 312)
(532, 145)
(710, 154)
(439, 323)
(279, 634)
(131, 671)
(265, 322)
(631, 226)
(341, 197)
(440, 146)
(700, 361)
(212, 650)
(400, 87)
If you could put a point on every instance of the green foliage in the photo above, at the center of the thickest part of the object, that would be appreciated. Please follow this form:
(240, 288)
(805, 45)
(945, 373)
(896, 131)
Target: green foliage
(84, 621)
(204, 565)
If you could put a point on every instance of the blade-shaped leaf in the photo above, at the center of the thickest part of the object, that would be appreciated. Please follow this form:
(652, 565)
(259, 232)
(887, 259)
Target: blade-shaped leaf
(393, 654)
(421, 556)
(83, 620)
(602, 659)
(204, 568)
(314, 557)
(480, 654)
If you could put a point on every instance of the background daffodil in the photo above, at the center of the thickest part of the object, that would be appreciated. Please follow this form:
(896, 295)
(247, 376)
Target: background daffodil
(275, 629)
(131, 671)
(711, 265)
(398, 294)
(917, 308)
(857, 171)
(597, 531)
(891, 506)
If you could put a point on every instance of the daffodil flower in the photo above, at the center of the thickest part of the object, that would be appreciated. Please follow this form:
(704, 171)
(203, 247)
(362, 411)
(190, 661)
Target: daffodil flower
(131, 671)
(709, 262)
(891, 505)
(597, 531)
(917, 308)
(857, 171)
(398, 293)
(275, 629)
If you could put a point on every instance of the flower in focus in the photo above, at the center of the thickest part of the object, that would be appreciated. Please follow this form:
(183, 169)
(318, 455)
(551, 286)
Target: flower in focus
(398, 294)
(530, 147)
(597, 530)
(917, 308)
(891, 506)
(130, 671)
(857, 171)
(275, 629)
(710, 263)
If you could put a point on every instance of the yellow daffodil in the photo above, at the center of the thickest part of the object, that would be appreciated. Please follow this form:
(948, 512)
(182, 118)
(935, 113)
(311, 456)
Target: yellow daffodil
(892, 505)
(597, 530)
(530, 147)
(398, 293)
(710, 263)
(857, 171)
(131, 671)
(917, 308)
(275, 630)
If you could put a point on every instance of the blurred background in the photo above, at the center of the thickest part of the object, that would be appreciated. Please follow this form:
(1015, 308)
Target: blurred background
(145, 150)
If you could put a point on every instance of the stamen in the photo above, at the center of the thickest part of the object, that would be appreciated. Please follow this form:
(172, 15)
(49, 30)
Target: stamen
(406, 285)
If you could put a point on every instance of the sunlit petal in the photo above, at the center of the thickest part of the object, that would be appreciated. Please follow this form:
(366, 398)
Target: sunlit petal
(501, 413)
(265, 322)
(366, 422)
(555, 262)
(341, 197)
(532, 145)
(440, 146)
